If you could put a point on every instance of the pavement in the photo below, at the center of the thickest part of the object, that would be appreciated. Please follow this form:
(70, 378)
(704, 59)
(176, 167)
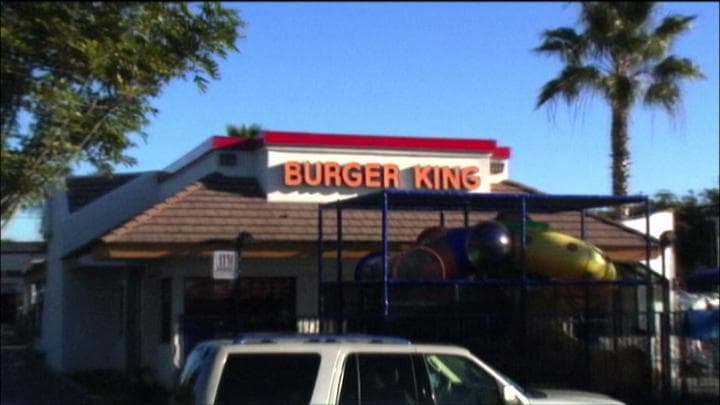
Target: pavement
(27, 381)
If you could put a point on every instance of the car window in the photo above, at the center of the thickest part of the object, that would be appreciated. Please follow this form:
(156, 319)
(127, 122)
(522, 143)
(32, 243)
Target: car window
(268, 378)
(350, 387)
(457, 380)
(378, 379)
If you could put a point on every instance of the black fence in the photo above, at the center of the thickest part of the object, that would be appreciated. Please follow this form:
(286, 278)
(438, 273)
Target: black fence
(696, 369)
(598, 337)
(577, 336)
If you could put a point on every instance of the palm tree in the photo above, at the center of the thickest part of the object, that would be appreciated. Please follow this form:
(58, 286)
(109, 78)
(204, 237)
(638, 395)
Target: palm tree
(623, 56)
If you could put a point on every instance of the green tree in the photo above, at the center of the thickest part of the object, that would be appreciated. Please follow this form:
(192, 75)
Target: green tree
(78, 79)
(244, 131)
(695, 226)
(622, 55)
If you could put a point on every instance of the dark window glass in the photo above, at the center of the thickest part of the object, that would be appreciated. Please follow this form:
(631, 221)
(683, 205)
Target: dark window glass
(268, 379)
(457, 380)
(350, 391)
(386, 379)
(205, 296)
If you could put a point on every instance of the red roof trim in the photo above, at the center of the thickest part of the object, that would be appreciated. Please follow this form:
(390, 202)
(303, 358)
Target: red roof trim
(501, 152)
(361, 141)
(380, 142)
(229, 142)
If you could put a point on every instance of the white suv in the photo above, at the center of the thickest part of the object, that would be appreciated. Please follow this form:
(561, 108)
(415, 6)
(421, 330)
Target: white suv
(350, 370)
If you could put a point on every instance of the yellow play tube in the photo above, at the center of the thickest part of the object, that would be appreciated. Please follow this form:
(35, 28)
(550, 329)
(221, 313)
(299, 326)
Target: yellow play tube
(559, 255)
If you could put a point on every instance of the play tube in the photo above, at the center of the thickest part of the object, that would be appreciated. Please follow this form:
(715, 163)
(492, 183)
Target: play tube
(559, 255)
(416, 263)
(471, 250)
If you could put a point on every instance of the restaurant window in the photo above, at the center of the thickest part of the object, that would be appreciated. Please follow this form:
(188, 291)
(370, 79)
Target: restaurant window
(207, 297)
(223, 307)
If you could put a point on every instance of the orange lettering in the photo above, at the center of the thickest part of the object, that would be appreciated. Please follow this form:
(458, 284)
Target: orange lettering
(422, 179)
(469, 177)
(372, 175)
(450, 178)
(331, 174)
(436, 178)
(352, 175)
(312, 177)
(293, 175)
(391, 176)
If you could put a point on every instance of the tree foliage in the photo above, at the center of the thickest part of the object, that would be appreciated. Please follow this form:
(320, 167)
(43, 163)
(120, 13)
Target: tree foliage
(695, 226)
(623, 55)
(78, 80)
(244, 131)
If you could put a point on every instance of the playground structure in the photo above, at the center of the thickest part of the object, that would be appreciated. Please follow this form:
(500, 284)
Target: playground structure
(568, 319)
(489, 250)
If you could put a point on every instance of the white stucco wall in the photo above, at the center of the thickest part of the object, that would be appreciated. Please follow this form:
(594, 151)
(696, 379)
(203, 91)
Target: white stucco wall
(94, 323)
(51, 337)
(660, 222)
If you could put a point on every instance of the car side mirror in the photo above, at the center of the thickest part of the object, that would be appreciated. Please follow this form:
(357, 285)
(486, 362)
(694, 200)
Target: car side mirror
(511, 396)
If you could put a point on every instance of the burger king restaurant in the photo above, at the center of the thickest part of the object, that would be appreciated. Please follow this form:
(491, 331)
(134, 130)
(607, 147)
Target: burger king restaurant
(239, 235)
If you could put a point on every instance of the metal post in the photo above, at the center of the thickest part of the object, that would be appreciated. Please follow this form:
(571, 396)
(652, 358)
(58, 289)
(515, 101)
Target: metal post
(717, 240)
(650, 304)
(466, 219)
(649, 280)
(386, 298)
(582, 224)
(240, 242)
(523, 241)
(338, 244)
(523, 289)
(665, 330)
(320, 269)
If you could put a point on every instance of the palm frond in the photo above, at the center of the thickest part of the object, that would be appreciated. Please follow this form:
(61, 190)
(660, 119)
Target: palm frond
(665, 89)
(673, 25)
(564, 42)
(600, 26)
(674, 68)
(616, 28)
(661, 39)
(664, 93)
(569, 83)
(635, 15)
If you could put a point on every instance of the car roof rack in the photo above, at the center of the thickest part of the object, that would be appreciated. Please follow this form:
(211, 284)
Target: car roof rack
(259, 338)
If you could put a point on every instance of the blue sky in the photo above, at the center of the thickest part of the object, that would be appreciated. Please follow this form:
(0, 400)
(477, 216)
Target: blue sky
(460, 70)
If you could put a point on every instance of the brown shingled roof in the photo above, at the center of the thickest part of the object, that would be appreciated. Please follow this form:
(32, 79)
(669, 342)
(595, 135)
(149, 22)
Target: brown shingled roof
(217, 208)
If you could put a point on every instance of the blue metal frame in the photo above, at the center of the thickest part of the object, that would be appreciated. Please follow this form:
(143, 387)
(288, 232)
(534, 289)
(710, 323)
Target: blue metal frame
(387, 199)
(455, 200)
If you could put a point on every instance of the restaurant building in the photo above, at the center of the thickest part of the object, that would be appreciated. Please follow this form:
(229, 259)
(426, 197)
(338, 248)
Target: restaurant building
(135, 261)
